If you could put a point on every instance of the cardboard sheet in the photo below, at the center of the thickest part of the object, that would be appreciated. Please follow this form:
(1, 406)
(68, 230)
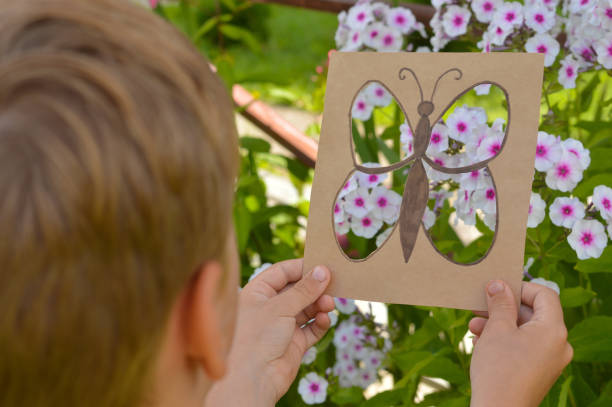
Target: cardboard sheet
(407, 269)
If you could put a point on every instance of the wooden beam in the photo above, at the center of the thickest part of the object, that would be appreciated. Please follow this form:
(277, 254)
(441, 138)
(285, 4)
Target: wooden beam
(423, 13)
(261, 115)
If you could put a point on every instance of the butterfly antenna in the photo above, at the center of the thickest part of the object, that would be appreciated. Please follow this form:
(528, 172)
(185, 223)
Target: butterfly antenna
(402, 77)
(460, 74)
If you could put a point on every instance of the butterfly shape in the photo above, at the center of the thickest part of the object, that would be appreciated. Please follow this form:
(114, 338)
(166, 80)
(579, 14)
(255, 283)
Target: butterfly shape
(416, 192)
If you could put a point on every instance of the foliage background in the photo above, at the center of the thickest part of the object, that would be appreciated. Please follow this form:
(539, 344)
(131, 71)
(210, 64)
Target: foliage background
(274, 51)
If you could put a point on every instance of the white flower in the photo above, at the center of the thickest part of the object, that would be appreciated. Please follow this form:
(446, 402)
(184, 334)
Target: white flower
(366, 226)
(602, 15)
(259, 270)
(333, 317)
(370, 180)
(578, 6)
(603, 48)
(362, 107)
(422, 48)
(309, 356)
(359, 16)
(483, 89)
(372, 33)
(338, 212)
(385, 204)
(539, 18)
(547, 283)
(461, 123)
(490, 220)
(588, 239)
(406, 139)
(357, 202)
(342, 228)
(602, 200)
(566, 211)
(366, 377)
(484, 9)
(313, 388)
(429, 218)
(508, 15)
(373, 358)
(485, 199)
(498, 33)
(349, 186)
(382, 237)
(576, 148)
(568, 72)
(401, 18)
(464, 207)
(490, 146)
(537, 210)
(345, 305)
(354, 41)
(455, 20)
(610, 230)
(543, 44)
(439, 138)
(378, 94)
(473, 180)
(548, 151)
(390, 40)
(342, 34)
(565, 173)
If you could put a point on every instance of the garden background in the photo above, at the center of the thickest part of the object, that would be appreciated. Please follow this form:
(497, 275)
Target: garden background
(409, 355)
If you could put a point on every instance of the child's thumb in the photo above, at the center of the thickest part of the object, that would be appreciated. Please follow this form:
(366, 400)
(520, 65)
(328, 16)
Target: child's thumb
(503, 311)
(305, 292)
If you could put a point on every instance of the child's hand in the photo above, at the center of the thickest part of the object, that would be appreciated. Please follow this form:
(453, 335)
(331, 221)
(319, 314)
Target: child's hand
(518, 356)
(271, 335)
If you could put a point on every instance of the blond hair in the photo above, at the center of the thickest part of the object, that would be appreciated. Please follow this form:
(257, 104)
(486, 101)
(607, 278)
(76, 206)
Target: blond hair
(118, 153)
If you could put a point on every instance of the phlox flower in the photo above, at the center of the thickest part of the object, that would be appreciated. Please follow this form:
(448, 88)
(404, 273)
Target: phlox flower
(583, 50)
(508, 15)
(537, 210)
(333, 317)
(473, 180)
(362, 107)
(460, 124)
(259, 270)
(568, 72)
(429, 218)
(347, 373)
(455, 20)
(548, 151)
(366, 377)
(484, 9)
(358, 350)
(497, 34)
(366, 226)
(547, 283)
(357, 202)
(341, 36)
(576, 148)
(345, 305)
(539, 18)
(439, 3)
(389, 40)
(483, 89)
(359, 16)
(490, 146)
(380, 10)
(603, 48)
(580, 6)
(370, 180)
(373, 359)
(566, 211)
(565, 174)
(550, 4)
(383, 236)
(342, 228)
(406, 139)
(372, 33)
(464, 207)
(385, 204)
(543, 44)
(438, 141)
(602, 14)
(338, 211)
(378, 94)
(490, 220)
(588, 239)
(354, 40)
(442, 160)
(486, 199)
(400, 18)
(309, 356)
(313, 388)
(602, 200)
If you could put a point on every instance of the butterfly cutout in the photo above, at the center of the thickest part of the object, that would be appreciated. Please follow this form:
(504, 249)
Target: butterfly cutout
(416, 189)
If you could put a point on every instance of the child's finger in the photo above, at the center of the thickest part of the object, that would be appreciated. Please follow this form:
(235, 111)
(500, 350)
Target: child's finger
(544, 302)
(305, 292)
(325, 303)
(314, 331)
(279, 275)
(477, 325)
(503, 310)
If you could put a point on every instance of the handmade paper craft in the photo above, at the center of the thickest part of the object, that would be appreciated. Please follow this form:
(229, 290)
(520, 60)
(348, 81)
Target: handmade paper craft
(423, 177)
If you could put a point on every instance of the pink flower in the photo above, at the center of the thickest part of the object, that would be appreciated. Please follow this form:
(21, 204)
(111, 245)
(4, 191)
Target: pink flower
(588, 239)
(566, 211)
(455, 20)
(543, 44)
(565, 173)
(602, 200)
(153, 3)
(548, 151)
(537, 210)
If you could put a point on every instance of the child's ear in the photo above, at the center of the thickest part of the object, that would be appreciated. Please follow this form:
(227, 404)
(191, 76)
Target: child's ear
(206, 343)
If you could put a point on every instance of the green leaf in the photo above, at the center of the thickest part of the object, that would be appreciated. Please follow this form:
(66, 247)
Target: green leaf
(603, 264)
(240, 34)
(242, 220)
(385, 399)
(350, 395)
(600, 160)
(576, 296)
(585, 188)
(591, 339)
(389, 154)
(446, 369)
(255, 144)
(564, 392)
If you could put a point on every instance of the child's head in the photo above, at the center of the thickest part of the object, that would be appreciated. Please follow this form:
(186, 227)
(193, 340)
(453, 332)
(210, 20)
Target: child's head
(117, 159)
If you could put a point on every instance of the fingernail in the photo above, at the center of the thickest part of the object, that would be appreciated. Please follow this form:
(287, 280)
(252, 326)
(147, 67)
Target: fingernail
(495, 287)
(319, 274)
